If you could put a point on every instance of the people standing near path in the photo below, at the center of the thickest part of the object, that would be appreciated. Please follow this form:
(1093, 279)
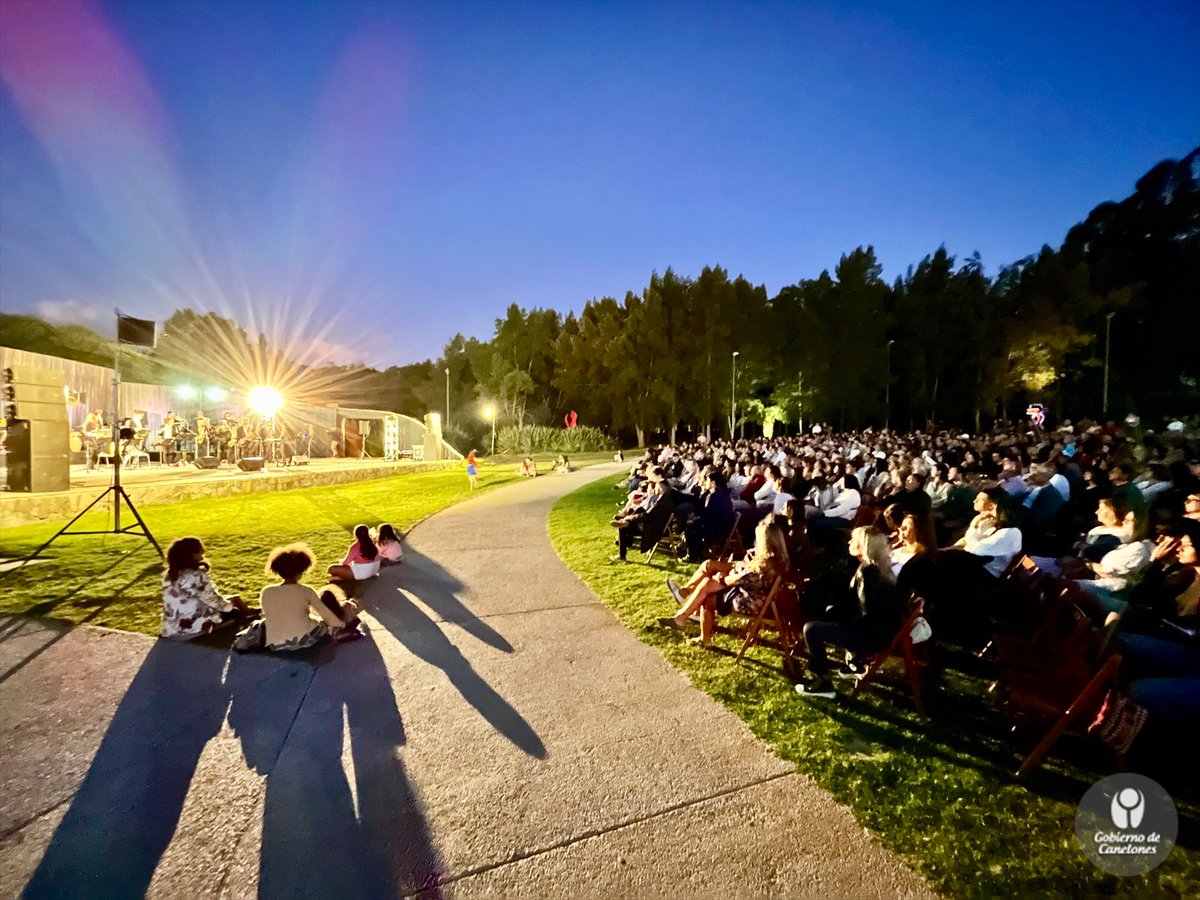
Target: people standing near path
(191, 604)
(472, 471)
(361, 560)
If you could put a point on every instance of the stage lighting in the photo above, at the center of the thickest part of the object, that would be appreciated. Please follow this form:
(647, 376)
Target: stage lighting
(265, 400)
(186, 392)
(215, 394)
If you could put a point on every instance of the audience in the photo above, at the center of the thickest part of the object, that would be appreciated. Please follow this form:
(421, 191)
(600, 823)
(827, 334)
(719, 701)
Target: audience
(296, 617)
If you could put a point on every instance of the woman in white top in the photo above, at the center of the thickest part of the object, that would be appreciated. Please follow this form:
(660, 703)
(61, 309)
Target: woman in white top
(989, 535)
(192, 606)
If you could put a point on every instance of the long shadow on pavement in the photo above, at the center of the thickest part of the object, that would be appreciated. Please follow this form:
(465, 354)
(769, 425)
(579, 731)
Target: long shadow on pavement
(334, 827)
(390, 601)
(125, 812)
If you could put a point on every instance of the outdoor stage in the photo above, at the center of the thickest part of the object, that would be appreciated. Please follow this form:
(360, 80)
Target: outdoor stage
(151, 484)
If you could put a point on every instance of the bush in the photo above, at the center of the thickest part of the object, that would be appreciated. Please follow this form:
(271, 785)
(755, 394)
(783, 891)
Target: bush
(516, 439)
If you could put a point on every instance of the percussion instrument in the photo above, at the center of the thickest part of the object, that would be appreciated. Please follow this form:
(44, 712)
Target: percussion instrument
(77, 442)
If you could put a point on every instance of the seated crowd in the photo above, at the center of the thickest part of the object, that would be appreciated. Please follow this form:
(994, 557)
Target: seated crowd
(871, 524)
(290, 615)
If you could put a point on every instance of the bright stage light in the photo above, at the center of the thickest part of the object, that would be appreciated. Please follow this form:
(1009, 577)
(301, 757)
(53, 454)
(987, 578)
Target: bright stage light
(264, 400)
(186, 392)
(215, 394)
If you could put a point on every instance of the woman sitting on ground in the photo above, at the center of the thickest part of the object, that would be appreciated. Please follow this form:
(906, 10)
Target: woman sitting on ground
(295, 616)
(719, 587)
(361, 561)
(191, 604)
(527, 468)
(391, 553)
(879, 613)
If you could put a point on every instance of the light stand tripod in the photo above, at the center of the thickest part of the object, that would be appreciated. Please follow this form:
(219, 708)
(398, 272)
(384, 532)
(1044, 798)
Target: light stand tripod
(116, 489)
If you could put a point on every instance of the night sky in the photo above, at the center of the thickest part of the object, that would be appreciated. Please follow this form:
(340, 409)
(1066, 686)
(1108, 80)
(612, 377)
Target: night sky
(363, 180)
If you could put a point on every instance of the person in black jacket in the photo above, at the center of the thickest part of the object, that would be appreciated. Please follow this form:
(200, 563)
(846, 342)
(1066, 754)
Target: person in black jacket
(879, 614)
(711, 527)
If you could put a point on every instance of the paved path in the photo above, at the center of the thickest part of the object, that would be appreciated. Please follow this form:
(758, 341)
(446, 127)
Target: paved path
(499, 733)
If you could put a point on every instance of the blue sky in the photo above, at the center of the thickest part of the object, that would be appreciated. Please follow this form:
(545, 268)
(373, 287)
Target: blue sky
(362, 180)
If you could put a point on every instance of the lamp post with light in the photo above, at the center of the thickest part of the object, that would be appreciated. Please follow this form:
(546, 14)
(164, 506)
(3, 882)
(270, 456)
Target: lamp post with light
(887, 390)
(733, 396)
(447, 396)
(490, 412)
(1107, 342)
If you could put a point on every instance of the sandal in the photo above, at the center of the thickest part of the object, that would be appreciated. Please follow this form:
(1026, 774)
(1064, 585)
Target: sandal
(697, 642)
(670, 622)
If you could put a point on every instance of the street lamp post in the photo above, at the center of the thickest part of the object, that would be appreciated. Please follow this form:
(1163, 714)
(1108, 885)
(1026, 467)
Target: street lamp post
(447, 396)
(733, 396)
(887, 390)
(491, 414)
(1107, 341)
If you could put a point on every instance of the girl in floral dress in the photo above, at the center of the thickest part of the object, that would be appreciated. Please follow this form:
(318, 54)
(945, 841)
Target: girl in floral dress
(191, 604)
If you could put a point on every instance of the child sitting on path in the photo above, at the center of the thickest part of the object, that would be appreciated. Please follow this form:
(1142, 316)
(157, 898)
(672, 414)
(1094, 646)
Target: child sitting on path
(390, 551)
(191, 604)
(295, 616)
(361, 560)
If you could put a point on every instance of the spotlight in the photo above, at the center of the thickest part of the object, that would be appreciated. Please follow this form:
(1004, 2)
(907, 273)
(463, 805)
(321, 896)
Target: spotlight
(186, 392)
(215, 394)
(265, 400)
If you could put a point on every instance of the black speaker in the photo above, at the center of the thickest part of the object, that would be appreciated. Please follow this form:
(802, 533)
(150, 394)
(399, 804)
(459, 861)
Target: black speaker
(207, 462)
(39, 456)
(135, 331)
(252, 463)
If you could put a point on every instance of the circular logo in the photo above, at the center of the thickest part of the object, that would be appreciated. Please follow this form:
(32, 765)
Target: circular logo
(1126, 824)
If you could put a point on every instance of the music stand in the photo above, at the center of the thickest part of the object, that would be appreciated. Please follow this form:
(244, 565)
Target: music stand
(132, 334)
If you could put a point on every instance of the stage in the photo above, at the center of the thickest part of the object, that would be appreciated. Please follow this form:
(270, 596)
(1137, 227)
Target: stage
(154, 483)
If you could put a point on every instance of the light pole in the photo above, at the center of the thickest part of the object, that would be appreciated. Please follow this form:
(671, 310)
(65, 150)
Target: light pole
(447, 396)
(1107, 341)
(490, 412)
(733, 396)
(887, 390)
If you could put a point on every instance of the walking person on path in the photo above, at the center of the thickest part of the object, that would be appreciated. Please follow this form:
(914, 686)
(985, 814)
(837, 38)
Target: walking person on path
(472, 472)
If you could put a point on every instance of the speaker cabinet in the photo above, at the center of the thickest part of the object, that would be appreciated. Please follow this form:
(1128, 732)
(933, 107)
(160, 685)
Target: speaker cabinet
(39, 456)
(252, 463)
(207, 462)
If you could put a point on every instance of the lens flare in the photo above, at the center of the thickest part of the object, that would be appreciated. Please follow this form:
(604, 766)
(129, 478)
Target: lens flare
(265, 400)
(186, 392)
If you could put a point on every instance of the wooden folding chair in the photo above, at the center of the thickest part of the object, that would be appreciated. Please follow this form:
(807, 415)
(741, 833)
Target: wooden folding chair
(733, 548)
(1066, 702)
(914, 656)
(775, 613)
(671, 540)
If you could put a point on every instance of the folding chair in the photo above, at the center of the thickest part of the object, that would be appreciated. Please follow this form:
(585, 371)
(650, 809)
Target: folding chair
(733, 548)
(775, 613)
(901, 647)
(671, 540)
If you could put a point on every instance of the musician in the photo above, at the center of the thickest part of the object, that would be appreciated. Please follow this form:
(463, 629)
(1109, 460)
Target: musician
(93, 434)
(167, 438)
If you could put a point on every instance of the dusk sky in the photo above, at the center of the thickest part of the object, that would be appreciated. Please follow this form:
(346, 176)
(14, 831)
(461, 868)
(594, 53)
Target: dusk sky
(364, 179)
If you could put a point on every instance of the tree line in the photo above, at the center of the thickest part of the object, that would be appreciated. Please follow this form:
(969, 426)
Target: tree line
(944, 343)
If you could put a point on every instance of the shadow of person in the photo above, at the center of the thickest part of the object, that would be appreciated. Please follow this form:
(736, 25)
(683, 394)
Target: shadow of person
(336, 825)
(439, 590)
(127, 808)
(396, 612)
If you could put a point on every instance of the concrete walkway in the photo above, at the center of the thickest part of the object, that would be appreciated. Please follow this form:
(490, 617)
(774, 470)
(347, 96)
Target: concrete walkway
(498, 733)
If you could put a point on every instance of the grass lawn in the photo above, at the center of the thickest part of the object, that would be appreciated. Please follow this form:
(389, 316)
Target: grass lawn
(115, 581)
(939, 791)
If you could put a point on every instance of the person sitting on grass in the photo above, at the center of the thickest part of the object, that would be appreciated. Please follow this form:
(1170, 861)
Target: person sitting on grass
(391, 553)
(879, 612)
(562, 464)
(361, 561)
(527, 468)
(295, 616)
(191, 604)
(719, 588)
